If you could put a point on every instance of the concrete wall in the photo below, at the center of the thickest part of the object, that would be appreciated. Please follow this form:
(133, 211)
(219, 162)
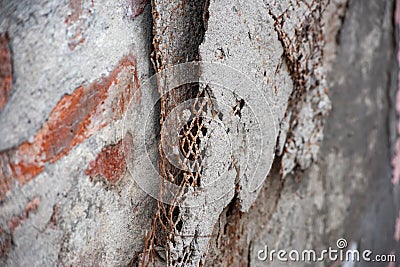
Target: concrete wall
(71, 72)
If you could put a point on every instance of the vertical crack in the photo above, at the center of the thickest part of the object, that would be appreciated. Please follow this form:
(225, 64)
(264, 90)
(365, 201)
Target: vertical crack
(178, 29)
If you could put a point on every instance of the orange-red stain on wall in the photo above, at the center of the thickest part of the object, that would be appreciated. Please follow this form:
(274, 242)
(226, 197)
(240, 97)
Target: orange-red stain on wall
(110, 162)
(5, 70)
(74, 118)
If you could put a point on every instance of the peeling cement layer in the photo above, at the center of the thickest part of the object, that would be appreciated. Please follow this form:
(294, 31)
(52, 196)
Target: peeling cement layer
(347, 193)
(302, 40)
(250, 46)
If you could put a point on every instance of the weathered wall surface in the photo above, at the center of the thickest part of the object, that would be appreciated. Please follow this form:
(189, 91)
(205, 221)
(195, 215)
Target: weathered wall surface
(348, 193)
(66, 195)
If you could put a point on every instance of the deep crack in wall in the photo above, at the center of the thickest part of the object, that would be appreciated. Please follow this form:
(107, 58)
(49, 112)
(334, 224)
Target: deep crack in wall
(178, 31)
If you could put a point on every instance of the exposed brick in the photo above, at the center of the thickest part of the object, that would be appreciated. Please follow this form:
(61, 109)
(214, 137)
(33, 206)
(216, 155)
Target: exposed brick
(110, 162)
(75, 118)
(5, 69)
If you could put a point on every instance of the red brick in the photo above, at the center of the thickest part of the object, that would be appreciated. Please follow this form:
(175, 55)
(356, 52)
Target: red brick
(110, 162)
(75, 118)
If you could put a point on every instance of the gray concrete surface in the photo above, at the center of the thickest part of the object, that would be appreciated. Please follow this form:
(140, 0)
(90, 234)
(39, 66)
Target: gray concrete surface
(315, 193)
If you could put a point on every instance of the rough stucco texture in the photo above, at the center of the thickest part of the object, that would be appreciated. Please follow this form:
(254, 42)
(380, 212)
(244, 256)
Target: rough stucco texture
(347, 193)
(76, 66)
(282, 56)
(5, 69)
(66, 197)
